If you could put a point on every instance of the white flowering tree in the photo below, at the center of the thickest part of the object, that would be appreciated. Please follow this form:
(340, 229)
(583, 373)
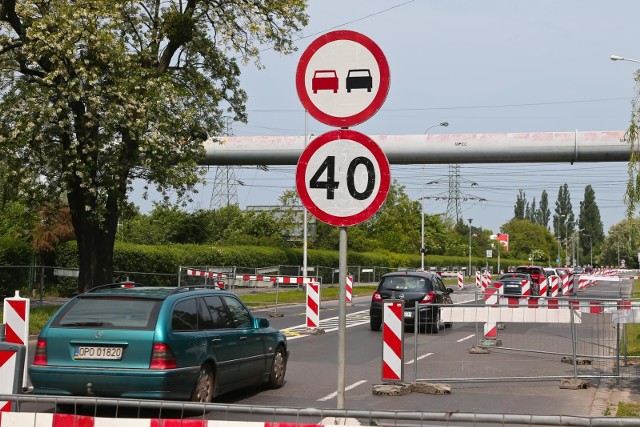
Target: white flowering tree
(95, 94)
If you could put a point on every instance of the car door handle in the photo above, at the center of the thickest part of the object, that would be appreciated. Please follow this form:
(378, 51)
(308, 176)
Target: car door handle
(243, 339)
(216, 340)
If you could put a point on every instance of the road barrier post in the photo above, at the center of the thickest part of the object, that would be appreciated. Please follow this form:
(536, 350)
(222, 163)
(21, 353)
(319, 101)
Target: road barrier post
(393, 340)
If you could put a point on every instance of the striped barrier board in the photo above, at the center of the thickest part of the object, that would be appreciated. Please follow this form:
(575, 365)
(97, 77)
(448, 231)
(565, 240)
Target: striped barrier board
(349, 289)
(16, 319)
(313, 304)
(392, 340)
(460, 280)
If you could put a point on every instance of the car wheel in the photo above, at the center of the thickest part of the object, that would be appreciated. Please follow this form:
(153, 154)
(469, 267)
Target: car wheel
(375, 323)
(278, 368)
(434, 323)
(203, 391)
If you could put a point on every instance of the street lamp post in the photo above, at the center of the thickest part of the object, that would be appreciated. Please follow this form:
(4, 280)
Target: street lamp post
(566, 239)
(423, 250)
(470, 221)
(622, 58)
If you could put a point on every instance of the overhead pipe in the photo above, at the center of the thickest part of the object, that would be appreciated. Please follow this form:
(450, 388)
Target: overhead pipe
(534, 147)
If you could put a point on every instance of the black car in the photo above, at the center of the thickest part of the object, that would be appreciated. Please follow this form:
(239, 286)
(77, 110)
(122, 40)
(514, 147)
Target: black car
(512, 284)
(419, 287)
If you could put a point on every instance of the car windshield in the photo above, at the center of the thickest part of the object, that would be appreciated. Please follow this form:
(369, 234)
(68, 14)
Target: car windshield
(115, 313)
(405, 283)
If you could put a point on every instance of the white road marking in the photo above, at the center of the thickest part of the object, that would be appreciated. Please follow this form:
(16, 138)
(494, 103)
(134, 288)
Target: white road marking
(419, 358)
(335, 393)
(466, 338)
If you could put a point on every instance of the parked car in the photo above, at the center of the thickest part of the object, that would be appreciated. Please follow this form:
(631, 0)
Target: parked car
(419, 287)
(537, 274)
(578, 270)
(130, 341)
(512, 283)
(564, 271)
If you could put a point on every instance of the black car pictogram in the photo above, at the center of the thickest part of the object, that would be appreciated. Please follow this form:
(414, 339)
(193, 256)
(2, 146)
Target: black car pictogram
(359, 79)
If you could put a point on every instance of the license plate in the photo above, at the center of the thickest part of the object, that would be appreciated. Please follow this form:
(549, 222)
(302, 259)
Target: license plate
(408, 314)
(97, 353)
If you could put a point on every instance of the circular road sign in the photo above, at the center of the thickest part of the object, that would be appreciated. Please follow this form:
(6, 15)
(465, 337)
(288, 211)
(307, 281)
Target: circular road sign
(342, 78)
(343, 177)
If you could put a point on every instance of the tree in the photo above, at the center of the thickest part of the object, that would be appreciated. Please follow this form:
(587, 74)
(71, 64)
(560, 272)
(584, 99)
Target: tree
(564, 220)
(98, 93)
(589, 223)
(621, 244)
(528, 240)
(544, 213)
(519, 210)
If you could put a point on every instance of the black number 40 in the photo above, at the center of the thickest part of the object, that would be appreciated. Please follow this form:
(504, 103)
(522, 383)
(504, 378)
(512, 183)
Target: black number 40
(330, 183)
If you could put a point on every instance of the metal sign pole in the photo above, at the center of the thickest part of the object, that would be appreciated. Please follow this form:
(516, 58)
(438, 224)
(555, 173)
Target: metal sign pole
(342, 316)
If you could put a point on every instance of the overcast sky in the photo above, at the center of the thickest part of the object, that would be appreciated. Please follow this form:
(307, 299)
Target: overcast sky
(489, 66)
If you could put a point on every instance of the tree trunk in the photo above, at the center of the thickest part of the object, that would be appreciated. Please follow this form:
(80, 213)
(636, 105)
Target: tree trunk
(95, 242)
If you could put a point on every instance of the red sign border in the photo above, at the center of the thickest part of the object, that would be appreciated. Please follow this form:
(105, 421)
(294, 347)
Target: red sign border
(378, 100)
(383, 189)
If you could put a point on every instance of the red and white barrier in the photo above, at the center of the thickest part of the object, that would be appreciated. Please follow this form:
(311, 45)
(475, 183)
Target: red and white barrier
(392, 341)
(491, 298)
(478, 279)
(313, 304)
(486, 281)
(8, 360)
(565, 285)
(543, 285)
(349, 289)
(24, 419)
(209, 275)
(526, 289)
(16, 320)
(554, 286)
(460, 280)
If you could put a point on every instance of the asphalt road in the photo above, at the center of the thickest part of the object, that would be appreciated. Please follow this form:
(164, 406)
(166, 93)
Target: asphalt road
(312, 378)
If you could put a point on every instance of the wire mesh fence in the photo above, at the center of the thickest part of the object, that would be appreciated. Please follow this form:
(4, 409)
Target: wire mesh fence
(185, 413)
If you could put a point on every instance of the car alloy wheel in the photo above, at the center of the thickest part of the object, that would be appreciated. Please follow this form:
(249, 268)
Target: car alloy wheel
(278, 368)
(203, 392)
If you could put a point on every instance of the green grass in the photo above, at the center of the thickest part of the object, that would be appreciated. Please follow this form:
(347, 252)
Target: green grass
(40, 315)
(628, 409)
(633, 329)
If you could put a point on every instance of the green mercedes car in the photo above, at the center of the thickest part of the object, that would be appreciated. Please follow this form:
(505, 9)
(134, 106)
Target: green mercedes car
(182, 343)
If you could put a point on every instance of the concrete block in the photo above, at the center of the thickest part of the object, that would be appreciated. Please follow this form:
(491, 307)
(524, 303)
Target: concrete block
(431, 388)
(574, 383)
(478, 350)
(312, 331)
(579, 360)
(392, 389)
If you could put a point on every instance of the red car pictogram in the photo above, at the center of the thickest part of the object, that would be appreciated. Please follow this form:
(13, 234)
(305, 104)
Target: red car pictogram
(324, 80)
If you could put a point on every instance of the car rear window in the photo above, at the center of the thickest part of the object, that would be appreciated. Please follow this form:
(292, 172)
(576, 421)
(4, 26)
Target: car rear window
(529, 270)
(406, 283)
(112, 313)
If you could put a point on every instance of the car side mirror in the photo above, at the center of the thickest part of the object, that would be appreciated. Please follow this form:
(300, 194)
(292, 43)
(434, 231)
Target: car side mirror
(450, 290)
(262, 322)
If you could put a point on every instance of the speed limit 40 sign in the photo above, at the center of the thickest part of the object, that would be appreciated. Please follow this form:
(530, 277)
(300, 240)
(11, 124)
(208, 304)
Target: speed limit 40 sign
(342, 177)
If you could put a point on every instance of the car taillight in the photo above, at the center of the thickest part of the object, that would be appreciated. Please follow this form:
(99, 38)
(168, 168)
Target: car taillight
(162, 357)
(40, 357)
(376, 297)
(429, 297)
